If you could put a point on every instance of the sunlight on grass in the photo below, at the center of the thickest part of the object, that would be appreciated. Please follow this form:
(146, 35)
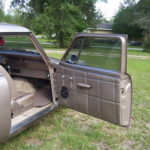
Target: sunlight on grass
(53, 55)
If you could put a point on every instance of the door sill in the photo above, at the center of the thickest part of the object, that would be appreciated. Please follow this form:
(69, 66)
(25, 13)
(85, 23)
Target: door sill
(27, 118)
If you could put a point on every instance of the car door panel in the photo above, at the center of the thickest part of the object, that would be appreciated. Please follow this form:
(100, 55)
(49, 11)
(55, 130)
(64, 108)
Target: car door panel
(101, 93)
(106, 99)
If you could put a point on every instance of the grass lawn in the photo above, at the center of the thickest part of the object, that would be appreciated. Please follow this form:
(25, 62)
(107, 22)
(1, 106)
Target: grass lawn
(134, 52)
(64, 129)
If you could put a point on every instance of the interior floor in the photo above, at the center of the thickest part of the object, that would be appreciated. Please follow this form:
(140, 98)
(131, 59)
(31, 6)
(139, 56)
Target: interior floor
(31, 93)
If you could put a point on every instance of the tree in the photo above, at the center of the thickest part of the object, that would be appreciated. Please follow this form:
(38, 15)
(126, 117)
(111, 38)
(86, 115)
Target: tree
(124, 22)
(143, 15)
(63, 18)
(134, 19)
(1, 10)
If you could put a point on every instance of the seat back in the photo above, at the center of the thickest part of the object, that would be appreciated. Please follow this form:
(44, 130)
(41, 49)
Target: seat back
(12, 87)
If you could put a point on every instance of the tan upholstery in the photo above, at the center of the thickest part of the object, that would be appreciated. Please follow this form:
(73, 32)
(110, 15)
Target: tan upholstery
(12, 87)
(22, 103)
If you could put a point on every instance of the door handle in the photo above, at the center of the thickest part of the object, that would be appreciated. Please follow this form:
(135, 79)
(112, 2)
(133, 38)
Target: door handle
(63, 80)
(83, 85)
(71, 82)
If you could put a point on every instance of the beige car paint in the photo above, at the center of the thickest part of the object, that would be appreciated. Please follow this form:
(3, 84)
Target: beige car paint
(5, 109)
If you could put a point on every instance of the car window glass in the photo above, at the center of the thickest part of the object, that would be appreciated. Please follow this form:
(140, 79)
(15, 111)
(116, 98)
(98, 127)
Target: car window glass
(96, 52)
(17, 43)
(74, 52)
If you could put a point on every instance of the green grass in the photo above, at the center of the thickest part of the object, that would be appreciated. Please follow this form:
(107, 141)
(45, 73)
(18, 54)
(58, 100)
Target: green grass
(52, 47)
(135, 46)
(17, 38)
(64, 129)
(44, 39)
(104, 62)
(134, 52)
(58, 56)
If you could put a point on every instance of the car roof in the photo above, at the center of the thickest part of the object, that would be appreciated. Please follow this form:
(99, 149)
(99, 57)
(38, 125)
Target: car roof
(12, 28)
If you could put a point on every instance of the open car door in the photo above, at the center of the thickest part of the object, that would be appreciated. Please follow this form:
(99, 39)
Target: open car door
(92, 78)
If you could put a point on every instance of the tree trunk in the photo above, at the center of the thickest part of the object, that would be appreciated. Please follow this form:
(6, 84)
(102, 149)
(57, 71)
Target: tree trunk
(61, 39)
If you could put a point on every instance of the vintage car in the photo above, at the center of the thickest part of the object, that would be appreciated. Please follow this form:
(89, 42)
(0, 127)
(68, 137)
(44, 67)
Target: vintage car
(90, 78)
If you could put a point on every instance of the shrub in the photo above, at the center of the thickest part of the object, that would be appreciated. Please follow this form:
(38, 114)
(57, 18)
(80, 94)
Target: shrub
(147, 45)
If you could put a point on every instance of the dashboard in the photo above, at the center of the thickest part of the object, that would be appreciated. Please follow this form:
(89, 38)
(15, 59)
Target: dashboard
(27, 64)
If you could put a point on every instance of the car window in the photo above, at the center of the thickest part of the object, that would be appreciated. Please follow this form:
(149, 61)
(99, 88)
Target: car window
(96, 52)
(17, 43)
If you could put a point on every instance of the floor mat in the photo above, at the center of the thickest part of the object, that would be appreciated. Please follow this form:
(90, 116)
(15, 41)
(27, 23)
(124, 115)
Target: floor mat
(42, 97)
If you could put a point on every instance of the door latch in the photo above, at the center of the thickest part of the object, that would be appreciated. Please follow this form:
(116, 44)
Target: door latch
(70, 81)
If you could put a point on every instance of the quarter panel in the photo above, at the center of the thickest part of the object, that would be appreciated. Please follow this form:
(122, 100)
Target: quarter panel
(5, 109)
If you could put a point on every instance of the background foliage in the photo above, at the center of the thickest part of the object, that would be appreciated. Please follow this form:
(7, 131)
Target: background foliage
(61, 19)
(134, 20)
(1, 10)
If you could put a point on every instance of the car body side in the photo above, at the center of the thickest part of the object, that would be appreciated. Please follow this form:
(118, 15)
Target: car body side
(52, 74)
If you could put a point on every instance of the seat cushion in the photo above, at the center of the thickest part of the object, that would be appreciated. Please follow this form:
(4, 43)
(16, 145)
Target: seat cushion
(23, 85)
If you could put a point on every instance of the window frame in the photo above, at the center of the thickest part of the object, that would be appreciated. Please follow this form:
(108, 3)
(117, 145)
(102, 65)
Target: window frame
(123, 53)
(35, 42)
(22, 35)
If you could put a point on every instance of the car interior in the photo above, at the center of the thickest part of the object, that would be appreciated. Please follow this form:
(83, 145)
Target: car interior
(29, 83)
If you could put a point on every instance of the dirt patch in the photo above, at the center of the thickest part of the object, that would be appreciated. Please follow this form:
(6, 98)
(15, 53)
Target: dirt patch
(83, 121)
(114, 131)
(138, 57)
(80, 117)
(127, 144)
(148, 125)
(34, 142)
(54, 136)
(101, 146)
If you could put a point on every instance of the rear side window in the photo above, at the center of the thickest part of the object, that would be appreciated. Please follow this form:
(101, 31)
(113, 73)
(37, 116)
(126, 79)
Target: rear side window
(102, 53)
(16, 43)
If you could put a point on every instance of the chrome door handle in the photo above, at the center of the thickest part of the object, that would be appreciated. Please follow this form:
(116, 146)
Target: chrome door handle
(71, 82)
(83, 85)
